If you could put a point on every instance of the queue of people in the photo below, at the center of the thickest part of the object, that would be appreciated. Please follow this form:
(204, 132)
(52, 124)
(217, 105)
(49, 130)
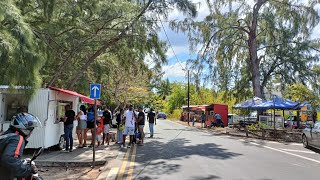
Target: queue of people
(129, 122)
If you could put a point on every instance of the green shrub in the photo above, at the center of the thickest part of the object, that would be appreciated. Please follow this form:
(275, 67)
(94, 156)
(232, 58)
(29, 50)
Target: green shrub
(176, 114)
(263, 125)
(252, 127)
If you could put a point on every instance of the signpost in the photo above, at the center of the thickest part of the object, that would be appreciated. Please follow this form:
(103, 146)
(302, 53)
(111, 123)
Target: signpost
(95, 91)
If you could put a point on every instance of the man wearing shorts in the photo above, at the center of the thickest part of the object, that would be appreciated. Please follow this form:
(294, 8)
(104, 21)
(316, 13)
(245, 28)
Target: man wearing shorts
(130, 118)
(141, 120)
(106, 122)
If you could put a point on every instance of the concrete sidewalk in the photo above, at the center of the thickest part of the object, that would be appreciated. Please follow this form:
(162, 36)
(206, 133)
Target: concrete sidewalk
(80, 157)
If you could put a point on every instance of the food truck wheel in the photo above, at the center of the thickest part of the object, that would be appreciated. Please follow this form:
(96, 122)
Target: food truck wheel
(60, 145)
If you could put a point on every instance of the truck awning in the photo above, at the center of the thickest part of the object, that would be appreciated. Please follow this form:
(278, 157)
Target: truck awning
(84, 99)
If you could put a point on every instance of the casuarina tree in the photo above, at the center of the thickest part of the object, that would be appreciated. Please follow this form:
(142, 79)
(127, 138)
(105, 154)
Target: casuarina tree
(249, 43)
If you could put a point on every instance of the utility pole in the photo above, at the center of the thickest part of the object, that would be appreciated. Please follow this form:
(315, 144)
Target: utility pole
(188, 97)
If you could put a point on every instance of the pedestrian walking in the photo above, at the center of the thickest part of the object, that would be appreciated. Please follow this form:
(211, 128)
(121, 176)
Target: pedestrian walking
(193, 120)
(107, 125)
(141, 122)
(151, 118)
(68, 127)
(120, 126)
(203, 120)
(82, 124)
(130, 117)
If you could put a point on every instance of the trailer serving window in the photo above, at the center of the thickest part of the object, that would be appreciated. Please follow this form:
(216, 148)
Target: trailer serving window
(12, 104)
(60, 110)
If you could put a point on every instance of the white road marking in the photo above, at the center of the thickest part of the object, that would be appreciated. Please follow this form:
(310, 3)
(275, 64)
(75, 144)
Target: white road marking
(292, 154)
(271, 142)
(298, 165)
(292, 150)
(255, 143)
(113, 173)
(120, 155)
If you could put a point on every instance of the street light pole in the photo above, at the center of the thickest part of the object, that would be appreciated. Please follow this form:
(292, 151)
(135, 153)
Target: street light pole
(274, 112)
(188, 97)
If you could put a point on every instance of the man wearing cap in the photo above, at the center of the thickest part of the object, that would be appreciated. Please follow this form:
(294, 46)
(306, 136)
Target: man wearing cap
(130, 117)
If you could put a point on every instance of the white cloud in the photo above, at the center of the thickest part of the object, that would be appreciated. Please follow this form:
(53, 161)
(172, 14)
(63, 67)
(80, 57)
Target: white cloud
(177, 50)
(175, 70)
(179, 41)
(202, 8)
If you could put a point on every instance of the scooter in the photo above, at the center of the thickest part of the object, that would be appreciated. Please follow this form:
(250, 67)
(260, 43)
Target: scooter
(31, 162)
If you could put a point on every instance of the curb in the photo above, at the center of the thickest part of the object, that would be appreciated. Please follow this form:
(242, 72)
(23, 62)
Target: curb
(68, 163)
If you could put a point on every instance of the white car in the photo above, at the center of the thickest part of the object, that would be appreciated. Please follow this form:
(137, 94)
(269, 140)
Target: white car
(234, 119)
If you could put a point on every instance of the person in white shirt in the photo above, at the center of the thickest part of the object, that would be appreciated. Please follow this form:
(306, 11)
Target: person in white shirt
(130, 121)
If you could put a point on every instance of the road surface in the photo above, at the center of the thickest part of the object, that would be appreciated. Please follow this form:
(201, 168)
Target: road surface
(184, 153)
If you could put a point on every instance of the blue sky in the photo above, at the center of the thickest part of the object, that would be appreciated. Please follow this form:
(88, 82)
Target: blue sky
(179, 41)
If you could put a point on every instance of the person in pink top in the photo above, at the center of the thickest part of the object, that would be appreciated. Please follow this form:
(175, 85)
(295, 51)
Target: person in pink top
(99, 132)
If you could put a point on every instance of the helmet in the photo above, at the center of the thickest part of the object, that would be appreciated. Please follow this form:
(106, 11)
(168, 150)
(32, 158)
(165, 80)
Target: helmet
(25, 123)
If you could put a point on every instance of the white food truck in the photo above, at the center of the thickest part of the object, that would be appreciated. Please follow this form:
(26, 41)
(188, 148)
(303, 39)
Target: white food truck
(48, 105)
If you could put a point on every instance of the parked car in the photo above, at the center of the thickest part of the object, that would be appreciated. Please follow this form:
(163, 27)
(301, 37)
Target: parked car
(292, 122)
(311, 135)
(162, 115)
(234, 119)
(250, 119)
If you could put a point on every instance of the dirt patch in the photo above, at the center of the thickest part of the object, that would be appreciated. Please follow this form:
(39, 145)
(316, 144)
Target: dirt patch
(72, 173)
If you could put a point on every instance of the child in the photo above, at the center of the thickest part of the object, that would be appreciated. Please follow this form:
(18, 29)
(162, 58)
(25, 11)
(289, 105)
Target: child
(99, 132)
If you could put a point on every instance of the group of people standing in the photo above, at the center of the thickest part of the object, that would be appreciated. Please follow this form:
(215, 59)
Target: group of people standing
(85, 118)
(128, 122)
(132, 123)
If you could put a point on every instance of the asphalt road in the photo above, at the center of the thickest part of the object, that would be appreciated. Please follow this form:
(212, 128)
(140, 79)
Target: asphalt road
(179, 152)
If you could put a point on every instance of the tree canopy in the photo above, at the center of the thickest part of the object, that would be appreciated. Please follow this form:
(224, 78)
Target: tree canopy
(249, 44)
(70, 43)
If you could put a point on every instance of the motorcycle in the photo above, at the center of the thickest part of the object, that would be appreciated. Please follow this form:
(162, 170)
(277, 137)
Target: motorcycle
(31, 162)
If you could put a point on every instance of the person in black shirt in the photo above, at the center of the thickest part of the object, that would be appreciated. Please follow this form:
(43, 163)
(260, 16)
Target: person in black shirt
(152, 121)
(141, 120)
(68, 127)
(107, 125)
(119, 122)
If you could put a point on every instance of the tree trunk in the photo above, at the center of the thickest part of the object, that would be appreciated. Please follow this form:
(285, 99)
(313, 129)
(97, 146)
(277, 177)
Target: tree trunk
(252, 43)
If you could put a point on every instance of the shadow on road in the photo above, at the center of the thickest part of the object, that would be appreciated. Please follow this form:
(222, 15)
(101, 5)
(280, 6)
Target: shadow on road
(155, 155)
(210, 177)
(314, 149)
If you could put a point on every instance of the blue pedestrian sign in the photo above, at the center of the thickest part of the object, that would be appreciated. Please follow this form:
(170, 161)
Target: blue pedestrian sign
(95, 90)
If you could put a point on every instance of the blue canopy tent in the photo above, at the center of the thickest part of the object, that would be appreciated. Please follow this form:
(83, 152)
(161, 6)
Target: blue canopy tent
(301, 105)
(248, 104)
(276, 103)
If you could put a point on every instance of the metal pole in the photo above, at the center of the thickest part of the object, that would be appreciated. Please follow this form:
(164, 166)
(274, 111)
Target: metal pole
(188, 97)
(94, 134)
(274, 112)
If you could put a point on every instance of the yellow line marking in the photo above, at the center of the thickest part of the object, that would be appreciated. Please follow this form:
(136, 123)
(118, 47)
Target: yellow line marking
(133, 159)
(124, 165)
